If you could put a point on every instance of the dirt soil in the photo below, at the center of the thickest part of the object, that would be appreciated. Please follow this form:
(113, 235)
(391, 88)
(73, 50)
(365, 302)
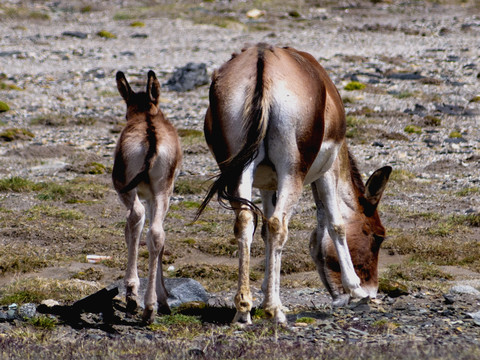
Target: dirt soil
(418, 112)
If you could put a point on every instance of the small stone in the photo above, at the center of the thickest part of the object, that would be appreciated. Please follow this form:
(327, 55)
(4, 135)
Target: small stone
(449, 298)
(50, 303)
(76, 34)
(27, 311)
(464, 289)
(475, 317)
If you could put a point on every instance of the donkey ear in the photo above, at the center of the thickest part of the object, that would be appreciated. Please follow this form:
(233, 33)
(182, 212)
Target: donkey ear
(123, 87)
(376, 184)
(153, 88)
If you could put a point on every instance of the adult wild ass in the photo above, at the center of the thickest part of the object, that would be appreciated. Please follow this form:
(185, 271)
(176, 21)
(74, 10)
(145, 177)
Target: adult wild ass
(277, 122)
(147, 158)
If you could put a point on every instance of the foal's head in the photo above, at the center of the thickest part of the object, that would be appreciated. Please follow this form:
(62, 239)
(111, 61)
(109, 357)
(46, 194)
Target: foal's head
(365, 233)
(141, 102)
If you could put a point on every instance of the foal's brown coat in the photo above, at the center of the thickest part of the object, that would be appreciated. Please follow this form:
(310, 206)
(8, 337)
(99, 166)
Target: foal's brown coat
(277, 122)
(147, 157)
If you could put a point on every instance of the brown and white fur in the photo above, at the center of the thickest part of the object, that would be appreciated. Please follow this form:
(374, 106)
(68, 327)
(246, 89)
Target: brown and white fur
(277, 122)
(147, 158)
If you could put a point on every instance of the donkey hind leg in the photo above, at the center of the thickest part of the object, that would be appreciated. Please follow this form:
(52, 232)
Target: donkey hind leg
(244, 229)
(289, 191)
(269, 198)
(133, 231)
(326, 190)
(155, 242)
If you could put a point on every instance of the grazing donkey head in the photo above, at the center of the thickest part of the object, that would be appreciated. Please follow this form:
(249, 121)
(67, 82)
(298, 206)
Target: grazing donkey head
(147, 158)
(364, 232)
(277, 122)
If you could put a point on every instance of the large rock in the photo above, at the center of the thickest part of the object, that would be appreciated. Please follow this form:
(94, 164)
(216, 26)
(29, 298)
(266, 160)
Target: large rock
(188, 77)
(180, 290)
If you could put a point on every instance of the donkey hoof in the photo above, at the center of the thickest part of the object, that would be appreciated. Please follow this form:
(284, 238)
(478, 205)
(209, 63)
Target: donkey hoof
(341, 300)
(163, 309)
(359, 293)
(132, 306)
(242, 318)
(148, 316)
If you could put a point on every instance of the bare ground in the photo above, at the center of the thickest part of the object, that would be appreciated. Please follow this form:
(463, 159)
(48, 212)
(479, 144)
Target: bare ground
(419, 113)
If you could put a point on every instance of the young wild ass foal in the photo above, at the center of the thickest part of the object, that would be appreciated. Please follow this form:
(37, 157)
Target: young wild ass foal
(147, 157)
(277, 122)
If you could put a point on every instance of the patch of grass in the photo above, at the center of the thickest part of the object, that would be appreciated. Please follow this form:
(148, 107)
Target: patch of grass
(404, 95)
(106, 34)
(401, 175)
(15, 258)
(306, 320)
(354, 124)
(189, 186)
(23, 13)
(455, 134)
(412, 129)
(178, 326)
(74, 191)
(414, 271)
(5, 86)
(18, 184)
(35, 290)
(95, 168)
(468, 191)
(445, 242)
(89, 274)
(384, 326)
(122, 15)
(86, 9)
(218, 246)
(51, 211)
(354, 85)
(432, 120)
(43, 322)
(16, 134)
(55, 119)
(137, 24)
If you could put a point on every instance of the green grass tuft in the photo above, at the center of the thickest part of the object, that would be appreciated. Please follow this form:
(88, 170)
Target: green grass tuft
(16, 134)
(354, 85)
(412, 129)
(106, 34)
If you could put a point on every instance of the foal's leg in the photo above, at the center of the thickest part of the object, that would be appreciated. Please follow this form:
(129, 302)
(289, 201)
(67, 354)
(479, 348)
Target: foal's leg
(244, 228)
(289, 190)
(156, 291)
(133, 231)
(326, 190)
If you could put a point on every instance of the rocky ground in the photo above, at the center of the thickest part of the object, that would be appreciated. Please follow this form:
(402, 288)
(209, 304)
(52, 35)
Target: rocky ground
(417, 110)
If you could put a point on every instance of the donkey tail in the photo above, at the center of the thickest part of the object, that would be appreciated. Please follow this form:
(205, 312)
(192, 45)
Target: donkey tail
(255, 122)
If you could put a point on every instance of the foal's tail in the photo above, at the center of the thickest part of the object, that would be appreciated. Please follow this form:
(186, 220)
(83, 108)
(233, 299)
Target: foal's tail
(255, 123)
(150, 156)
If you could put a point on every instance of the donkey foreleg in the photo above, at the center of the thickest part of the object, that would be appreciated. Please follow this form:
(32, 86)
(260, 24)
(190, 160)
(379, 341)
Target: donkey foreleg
(326, 191)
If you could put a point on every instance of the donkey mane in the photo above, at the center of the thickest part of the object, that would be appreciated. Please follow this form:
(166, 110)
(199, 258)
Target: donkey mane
(355, 174)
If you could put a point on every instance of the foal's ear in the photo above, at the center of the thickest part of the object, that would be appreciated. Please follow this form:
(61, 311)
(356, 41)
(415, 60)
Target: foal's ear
(153, 88)
(376, 185)
(123, 87)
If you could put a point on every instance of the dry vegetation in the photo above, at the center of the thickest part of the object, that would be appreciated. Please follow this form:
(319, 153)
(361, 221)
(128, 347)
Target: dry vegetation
(46, 226)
